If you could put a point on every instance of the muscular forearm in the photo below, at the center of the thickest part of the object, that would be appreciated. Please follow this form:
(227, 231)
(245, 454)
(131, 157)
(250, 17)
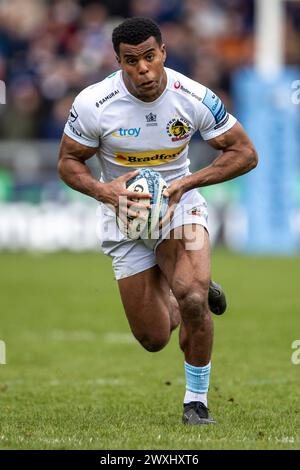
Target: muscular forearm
(228, 165)
(77, 175)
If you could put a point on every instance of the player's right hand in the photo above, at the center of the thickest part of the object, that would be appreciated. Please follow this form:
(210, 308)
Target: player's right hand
(125, 203)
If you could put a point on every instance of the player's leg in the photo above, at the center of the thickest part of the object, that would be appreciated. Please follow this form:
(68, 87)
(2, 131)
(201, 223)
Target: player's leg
(188, 274)
(174, 312)
(144, 290)
(147, 303)
(216, 300)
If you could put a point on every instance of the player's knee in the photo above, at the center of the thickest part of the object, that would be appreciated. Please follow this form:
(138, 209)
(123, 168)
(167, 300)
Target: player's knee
(153, 343)
(193, 304)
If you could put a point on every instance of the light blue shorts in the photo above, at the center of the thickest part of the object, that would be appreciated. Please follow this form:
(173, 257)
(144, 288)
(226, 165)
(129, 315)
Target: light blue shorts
(130, 257)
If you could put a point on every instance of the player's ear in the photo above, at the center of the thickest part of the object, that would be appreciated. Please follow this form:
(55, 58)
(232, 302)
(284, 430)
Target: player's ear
(164, 52)
(118, 59)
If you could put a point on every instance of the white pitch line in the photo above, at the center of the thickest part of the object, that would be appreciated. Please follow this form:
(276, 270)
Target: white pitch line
(56, 382)
(113, 337)
(119, 338)
(75, 335)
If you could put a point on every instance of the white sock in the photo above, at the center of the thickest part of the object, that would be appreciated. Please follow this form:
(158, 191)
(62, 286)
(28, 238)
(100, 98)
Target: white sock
(192, 396)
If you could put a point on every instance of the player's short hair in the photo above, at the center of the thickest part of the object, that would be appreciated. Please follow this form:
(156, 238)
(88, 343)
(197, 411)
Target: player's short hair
(134, 31)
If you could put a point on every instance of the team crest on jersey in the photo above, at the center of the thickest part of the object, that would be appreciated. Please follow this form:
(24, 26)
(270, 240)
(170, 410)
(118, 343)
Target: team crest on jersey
(178, 129)
(151, 119)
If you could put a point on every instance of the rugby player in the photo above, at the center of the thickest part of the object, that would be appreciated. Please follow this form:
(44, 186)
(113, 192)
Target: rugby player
(144, 115)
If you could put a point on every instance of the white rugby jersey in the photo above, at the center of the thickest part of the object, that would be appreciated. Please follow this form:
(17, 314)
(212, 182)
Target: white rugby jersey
(129, 133)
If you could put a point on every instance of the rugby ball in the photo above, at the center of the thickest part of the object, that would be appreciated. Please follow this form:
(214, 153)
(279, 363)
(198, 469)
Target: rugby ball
(146, 225)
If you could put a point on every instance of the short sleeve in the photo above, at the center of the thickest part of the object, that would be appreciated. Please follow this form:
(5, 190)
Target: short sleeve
(214, 119)
(82, 122)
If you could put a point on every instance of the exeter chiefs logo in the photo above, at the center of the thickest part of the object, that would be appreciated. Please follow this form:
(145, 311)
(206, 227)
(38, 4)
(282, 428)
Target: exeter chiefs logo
(178, 129)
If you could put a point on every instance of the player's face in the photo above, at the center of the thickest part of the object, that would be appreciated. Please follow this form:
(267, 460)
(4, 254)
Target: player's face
(143, 68)
(177, 130)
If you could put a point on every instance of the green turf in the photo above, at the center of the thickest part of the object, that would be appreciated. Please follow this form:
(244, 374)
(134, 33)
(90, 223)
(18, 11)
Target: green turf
(75, 379)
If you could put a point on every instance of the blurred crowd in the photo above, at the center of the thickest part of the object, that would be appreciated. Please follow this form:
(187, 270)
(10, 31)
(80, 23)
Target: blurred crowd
(50, 50)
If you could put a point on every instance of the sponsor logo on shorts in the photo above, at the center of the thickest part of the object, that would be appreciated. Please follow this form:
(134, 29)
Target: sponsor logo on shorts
(132, 132)
(152, 157)
(106, 98)
(200, 211)
(196, 210)
(178, 129)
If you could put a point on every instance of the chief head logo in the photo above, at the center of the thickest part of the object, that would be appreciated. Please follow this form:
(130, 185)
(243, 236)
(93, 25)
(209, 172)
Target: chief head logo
(178, 129)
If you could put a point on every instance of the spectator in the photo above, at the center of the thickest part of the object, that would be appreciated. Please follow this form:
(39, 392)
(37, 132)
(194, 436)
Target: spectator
(61, 46)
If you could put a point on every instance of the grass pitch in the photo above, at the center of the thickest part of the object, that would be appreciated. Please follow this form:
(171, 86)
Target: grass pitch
(76, 379)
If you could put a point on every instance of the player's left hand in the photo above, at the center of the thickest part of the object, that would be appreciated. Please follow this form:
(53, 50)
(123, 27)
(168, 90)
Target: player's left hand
(174, 192)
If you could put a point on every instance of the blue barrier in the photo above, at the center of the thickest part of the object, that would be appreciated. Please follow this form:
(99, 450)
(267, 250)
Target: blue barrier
(272, 120)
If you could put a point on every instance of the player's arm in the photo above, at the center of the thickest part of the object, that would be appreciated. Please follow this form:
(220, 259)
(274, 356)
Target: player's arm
(73, 170)
(237, 158)
(75, 173)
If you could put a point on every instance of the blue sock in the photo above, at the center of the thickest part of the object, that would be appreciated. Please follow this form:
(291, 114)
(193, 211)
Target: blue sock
(197, 382)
